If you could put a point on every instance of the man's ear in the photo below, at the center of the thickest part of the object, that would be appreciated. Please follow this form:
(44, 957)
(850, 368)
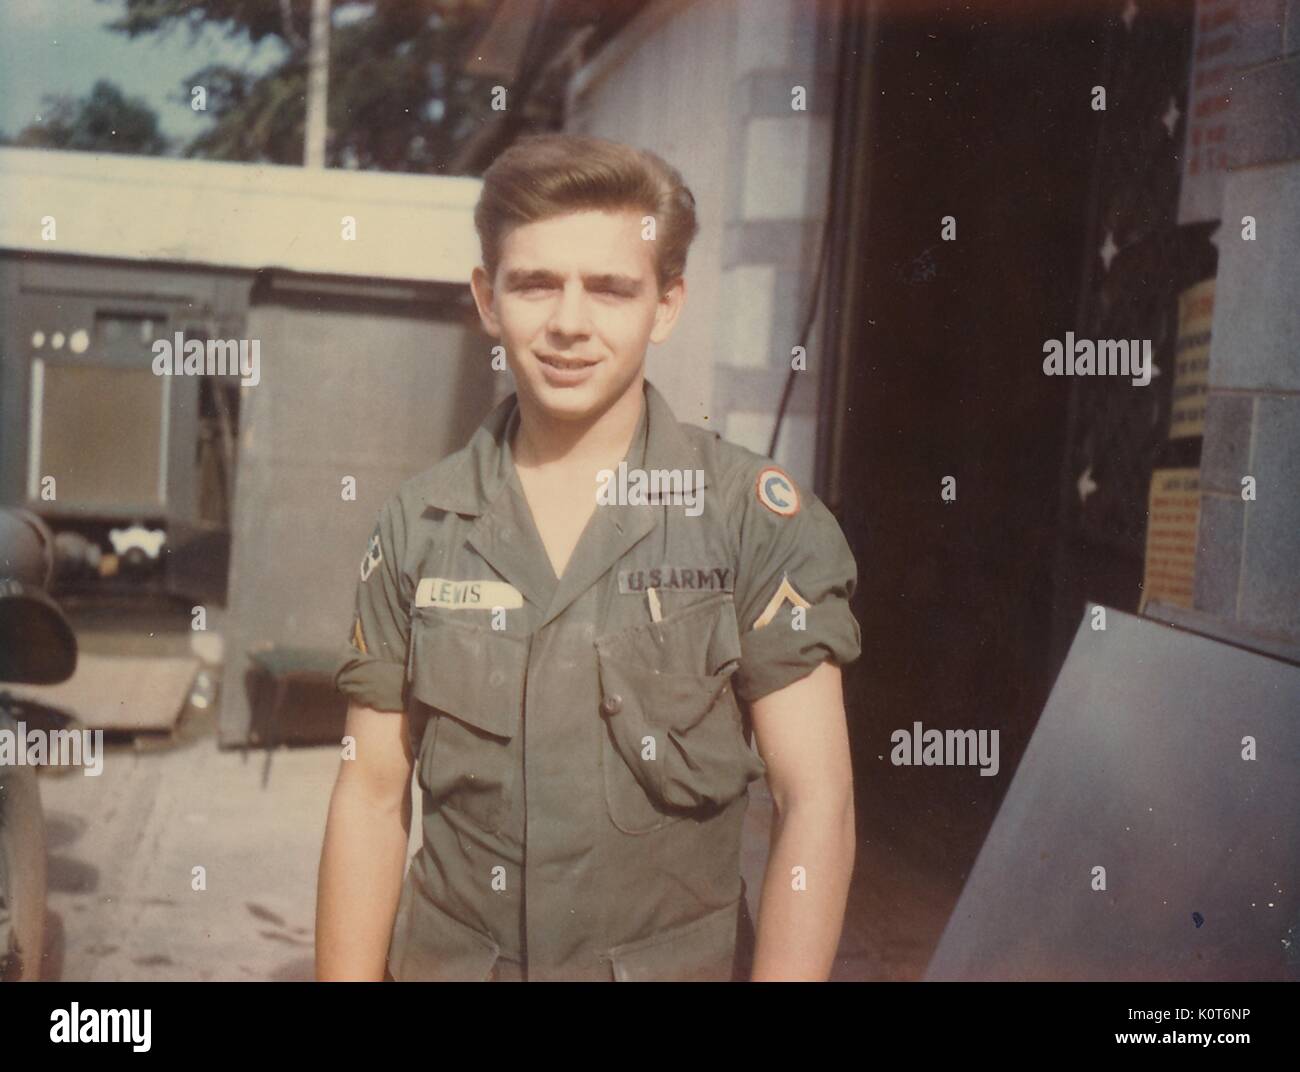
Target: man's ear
(481, 287)
(666, 311)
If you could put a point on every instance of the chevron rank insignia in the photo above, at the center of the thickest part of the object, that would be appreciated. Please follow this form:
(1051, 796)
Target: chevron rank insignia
(785, 592)
(374, 556)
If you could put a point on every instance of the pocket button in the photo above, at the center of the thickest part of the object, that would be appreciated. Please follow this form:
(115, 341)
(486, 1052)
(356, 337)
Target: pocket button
(612, 704)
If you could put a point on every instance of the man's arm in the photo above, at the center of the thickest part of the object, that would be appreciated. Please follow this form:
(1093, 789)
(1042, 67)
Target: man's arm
(802, 736)
(364, 855)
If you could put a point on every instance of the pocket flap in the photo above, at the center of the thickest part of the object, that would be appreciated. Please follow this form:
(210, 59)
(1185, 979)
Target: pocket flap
(700, 757)
(472, 673)
(677, 701)
(703, 950)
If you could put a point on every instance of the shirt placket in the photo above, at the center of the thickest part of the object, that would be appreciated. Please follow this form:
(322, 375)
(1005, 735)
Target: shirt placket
(566, 823)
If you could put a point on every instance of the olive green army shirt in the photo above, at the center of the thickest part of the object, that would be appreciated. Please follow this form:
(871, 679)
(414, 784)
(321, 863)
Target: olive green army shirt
(583, 743)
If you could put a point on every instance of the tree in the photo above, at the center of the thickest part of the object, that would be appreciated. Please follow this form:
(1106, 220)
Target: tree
(104, 121)
(397, 99)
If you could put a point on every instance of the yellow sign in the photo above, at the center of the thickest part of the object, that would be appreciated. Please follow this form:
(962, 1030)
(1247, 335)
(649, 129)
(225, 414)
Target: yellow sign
(1192, 360)
(1173, 511)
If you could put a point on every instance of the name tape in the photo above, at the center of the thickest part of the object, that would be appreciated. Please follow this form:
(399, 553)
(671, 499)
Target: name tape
(467, 595)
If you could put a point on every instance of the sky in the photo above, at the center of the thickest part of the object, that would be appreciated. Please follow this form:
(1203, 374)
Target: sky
(62, 46)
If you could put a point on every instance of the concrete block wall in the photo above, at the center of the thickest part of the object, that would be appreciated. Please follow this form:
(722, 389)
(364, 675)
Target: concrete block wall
(776, 202)
(708, 85)
(1248, 552)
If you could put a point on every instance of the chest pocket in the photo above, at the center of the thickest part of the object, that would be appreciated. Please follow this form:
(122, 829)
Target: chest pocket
(675, 744)
(470, 681)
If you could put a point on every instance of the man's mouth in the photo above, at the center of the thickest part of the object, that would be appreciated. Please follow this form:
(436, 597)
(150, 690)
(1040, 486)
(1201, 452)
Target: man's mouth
(567, 363)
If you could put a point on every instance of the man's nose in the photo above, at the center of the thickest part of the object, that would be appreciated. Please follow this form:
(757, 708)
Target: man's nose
(569, 316)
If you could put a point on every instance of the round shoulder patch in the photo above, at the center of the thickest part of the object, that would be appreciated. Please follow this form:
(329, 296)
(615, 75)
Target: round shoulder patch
(777, 492)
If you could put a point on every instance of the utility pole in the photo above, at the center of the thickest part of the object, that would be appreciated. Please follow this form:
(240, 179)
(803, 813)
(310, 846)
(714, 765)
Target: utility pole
(318, 82)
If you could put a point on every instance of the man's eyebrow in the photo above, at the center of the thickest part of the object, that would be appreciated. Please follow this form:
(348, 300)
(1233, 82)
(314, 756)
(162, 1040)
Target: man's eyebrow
(518, 277)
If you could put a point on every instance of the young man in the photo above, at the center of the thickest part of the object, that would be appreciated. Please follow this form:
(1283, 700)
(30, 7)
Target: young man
(572, 627)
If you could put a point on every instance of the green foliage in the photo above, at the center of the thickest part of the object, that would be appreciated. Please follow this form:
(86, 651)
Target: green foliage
(396, 99)
(104, 121)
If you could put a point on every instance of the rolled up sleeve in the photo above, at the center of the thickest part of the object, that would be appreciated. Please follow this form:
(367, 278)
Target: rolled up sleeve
(796, 577)
(372, 665)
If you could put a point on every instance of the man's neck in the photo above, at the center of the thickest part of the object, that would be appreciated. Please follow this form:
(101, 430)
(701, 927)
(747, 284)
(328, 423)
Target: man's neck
(541, 442)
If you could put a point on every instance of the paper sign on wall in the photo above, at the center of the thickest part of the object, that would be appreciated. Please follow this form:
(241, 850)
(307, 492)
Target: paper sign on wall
(1173, 511)
(1216, 54)
(1192, 360)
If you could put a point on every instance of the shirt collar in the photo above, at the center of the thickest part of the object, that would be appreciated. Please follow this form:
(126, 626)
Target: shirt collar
(473, 478)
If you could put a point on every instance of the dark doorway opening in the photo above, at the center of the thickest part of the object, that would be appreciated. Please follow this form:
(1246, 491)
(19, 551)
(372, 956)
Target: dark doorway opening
(984, 118)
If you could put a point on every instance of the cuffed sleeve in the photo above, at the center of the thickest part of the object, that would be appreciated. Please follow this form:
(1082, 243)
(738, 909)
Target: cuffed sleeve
(796, 577)
(372, 669)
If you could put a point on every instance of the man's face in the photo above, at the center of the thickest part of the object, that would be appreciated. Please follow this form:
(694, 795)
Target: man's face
(575, 303)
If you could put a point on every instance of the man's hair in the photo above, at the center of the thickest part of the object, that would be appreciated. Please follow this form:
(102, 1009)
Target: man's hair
(545, 175)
